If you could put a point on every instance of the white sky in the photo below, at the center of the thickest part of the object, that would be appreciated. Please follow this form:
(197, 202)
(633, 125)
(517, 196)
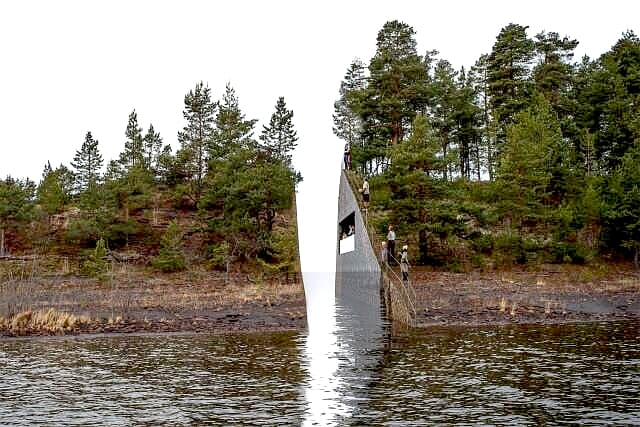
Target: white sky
(67, 67)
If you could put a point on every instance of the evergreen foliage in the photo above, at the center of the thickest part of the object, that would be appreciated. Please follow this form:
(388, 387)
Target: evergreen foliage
(524, 157)
(55, 189)
(279, 138)
(525, 171)
(133, 155)
(397, 86)
(231, 192)
(171, 256)
(153, 150)
(16, 206)
(87, 164)
(96, 263)
(249, 189)
(196, 139)
(232, 130)
(508, 76)
(553, 74)
(622, 213)
(347, 124)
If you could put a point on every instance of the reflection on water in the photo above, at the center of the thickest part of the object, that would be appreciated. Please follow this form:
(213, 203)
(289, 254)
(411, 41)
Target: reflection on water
(152, 380)
(346, 370)
(344, 345)
(322, 353)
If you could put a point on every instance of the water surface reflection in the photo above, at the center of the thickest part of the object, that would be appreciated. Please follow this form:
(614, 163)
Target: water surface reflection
(347, 370)
(221, 380)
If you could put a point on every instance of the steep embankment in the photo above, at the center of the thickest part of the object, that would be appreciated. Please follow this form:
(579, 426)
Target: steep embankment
(55, 293)
(500, 290)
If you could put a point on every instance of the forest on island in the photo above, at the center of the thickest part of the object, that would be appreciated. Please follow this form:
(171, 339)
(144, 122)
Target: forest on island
(527, 156)
(223, 197)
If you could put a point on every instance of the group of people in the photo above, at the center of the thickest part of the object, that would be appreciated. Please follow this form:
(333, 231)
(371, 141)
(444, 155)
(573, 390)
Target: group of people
(389, 254)
(388, 247)
(346, 232)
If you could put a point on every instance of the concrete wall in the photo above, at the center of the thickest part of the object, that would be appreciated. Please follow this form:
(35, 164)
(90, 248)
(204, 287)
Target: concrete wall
(358, 272)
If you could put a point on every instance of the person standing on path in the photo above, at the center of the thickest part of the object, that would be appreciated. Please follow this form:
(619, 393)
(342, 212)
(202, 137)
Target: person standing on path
(365, 193)
(347, 156)
(383, 253)
(404, 264)
(391, 243)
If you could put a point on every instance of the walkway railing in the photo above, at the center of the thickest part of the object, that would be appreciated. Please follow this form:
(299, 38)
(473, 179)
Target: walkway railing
(401, 293)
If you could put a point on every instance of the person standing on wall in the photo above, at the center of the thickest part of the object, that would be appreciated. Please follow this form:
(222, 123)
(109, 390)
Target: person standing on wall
(383, 253)
(347, 156)
(365, 193)
(391, 243)
(404, 264)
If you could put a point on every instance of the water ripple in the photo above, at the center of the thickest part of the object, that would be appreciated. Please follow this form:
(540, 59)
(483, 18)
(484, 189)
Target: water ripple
(586, 374)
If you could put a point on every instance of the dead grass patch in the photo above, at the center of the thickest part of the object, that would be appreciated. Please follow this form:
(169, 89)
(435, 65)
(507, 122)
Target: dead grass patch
(49, 321)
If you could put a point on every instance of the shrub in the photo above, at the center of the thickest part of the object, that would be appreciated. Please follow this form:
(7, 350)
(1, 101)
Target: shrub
(570, 253)
(511, 248)
(82, 231)
(477, 261)
(219, 255)
(483, 243)
(171, 256)
(96, 264)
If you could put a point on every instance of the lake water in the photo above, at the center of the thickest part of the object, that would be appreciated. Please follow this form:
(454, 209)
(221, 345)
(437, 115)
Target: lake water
(346, 370)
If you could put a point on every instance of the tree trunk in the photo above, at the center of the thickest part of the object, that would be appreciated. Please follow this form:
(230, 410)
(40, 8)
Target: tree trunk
(478, 160)
(156, 208)
(636, 258)
(395, 133)
(445, 166)
(1, 241)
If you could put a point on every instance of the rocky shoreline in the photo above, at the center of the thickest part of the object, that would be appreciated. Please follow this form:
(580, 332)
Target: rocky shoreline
(194, 302)
(214, 303)
(556, 295)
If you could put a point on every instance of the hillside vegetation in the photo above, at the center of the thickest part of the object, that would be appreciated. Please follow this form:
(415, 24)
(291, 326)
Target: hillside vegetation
(526, 157)
(224, 200)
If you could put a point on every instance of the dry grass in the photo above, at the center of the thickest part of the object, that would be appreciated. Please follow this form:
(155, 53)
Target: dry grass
(43, 321)
(514, 307)
(129, 293)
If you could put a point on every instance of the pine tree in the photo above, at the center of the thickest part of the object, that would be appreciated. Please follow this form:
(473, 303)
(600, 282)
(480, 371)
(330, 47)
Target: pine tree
(250, 189)
(133, 154)
(16, 205)
(232, 130)
(195, 139)
(152, 149)
(443, 112)
(485, 148)
(279, 138)
(171, 256)
(96, 264)
(87, 163)
(533, 150)
(622, 211)
(553, 72)
(467, 117)
(398, 85)
(414, 179)
(616, 91)
(169, 171)
(347, 124)
(508, 69)
(47, 170)
(54, 191)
